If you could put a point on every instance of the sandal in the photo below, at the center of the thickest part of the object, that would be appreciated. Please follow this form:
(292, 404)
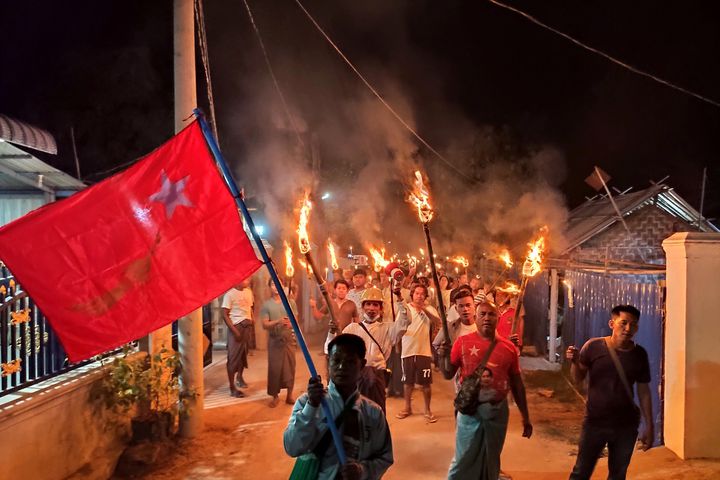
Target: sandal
(274, 402)
(403, 414)
(235, 393)
(430, 418)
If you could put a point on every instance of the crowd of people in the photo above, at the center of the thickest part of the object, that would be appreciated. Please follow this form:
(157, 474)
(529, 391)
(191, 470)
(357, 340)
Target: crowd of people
(385, 338)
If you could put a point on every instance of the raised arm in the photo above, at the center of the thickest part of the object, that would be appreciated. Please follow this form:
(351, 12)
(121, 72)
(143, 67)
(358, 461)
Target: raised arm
(577, 369)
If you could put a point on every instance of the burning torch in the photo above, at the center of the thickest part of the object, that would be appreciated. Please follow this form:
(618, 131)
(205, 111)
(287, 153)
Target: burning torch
(531, 267)
(507, 260)
(289, 269)
(461, 261)
(333, 257)
(304, 245)
(420, 197)
(240, 202)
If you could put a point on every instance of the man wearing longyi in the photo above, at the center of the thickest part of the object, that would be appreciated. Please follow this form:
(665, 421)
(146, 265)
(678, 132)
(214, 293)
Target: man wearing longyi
(482, 425)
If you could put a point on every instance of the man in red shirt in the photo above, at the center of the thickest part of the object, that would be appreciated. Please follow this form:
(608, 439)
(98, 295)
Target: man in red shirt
(506, 312)
(480, 437)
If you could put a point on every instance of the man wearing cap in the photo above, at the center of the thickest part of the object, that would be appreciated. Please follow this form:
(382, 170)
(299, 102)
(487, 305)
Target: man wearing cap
(376, 335)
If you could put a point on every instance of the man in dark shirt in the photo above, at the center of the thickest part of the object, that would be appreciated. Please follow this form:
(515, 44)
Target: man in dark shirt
(612, 418)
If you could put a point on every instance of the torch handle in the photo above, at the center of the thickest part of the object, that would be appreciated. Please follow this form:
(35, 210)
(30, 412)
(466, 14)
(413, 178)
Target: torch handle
(518, 307)
(323, 290)
(433, 269)
(392, 297)
(497, 280)
(230, 182)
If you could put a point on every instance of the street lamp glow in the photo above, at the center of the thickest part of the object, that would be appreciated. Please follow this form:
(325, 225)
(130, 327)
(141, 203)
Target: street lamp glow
(260, 229)
(325, 196)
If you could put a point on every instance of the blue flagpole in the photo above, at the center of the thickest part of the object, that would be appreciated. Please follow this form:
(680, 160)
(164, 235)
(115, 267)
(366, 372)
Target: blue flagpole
(210, 139)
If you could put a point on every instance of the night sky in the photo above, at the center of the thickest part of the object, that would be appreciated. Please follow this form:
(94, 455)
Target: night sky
(106, 69)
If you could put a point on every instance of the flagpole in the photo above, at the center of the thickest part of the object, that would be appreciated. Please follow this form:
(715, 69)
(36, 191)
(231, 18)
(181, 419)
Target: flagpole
(230, 182)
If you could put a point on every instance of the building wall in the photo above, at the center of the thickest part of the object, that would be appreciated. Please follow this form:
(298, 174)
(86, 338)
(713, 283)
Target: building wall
(650, 226)
(61, 433)
(13, 206)
(692, 356)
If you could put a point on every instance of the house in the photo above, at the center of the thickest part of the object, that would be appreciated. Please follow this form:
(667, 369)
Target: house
(595, 234)
(610, 260)
(26, 182)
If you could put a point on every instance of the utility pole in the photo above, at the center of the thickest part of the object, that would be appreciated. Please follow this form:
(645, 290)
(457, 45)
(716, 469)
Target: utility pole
(552, 347)
(702, 193)
(190, 334)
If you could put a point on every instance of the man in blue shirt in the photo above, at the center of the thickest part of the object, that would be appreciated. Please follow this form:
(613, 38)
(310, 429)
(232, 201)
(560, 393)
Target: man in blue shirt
(362, 424)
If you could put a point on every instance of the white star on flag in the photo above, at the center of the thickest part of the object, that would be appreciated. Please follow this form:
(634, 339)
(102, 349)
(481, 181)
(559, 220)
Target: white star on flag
(474, 350)
(171, 194)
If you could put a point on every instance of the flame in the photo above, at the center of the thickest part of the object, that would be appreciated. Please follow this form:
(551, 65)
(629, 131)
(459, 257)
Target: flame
(533, 261)
(289, 269)
(378, 257)
(303, 238)
(333, 257)
(509, 287)
(422, 252)
(461, 261)
(420, 197)
(505, 257)
(305, 266)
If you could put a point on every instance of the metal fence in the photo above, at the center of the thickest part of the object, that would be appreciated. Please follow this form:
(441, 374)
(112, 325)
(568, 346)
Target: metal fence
(29, 349)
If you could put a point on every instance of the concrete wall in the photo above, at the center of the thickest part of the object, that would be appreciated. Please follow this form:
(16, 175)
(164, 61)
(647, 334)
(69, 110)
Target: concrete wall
(692, 345)
(61, 433)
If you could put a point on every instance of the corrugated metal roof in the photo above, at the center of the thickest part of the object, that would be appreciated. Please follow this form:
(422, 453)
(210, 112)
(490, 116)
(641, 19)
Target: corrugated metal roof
(19, 170)
(597, 214)
(21, 133)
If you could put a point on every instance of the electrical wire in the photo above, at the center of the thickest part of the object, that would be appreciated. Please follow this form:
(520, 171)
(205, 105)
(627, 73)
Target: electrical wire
(605, 55)
(379, 97)
(202, 40)
(289, 115)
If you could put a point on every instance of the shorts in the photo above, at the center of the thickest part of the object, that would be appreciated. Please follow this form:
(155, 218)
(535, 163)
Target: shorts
(417, 370)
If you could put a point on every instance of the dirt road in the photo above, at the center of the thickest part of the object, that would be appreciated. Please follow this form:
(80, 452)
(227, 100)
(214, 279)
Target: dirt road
(243, 437)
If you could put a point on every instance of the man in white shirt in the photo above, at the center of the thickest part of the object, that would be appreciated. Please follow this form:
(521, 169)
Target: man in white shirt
(359, 282)
(413, 328)
(237, 308)
(378, 345)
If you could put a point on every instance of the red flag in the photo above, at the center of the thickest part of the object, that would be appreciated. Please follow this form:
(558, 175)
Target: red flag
(134, 252)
